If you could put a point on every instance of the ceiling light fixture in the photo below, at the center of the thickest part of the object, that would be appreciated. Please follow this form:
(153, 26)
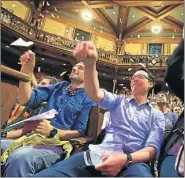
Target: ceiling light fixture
(133, 16)
(87, 15)
(113, 12)
(156, 29)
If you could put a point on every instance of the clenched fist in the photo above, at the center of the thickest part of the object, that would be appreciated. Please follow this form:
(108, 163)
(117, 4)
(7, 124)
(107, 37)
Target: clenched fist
(86, 52)
(28, 62)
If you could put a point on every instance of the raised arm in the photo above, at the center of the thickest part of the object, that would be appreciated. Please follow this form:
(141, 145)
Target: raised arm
(86, 52)
(28, 64)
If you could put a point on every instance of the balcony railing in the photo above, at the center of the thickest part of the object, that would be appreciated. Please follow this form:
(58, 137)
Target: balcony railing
(28, 30)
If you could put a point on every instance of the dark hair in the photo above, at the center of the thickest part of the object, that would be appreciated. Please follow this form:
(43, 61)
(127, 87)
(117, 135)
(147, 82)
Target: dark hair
(53, 80)
(162, 92)
(150, 75)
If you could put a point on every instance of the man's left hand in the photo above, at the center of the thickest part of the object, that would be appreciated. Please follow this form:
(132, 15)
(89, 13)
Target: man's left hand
(112, 164)
(44, 127)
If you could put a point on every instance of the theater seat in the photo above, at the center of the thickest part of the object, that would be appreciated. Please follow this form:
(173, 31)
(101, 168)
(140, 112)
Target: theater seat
(93, 130)
(9, 90)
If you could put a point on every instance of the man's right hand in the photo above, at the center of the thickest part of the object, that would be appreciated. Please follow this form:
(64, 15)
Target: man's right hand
(86, 52)
(28, 62)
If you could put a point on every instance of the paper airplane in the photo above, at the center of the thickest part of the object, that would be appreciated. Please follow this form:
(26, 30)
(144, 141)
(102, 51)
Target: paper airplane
(21, 42)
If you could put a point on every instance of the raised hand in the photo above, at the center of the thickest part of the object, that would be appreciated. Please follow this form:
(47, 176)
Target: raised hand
(28, 61)
(86, 52)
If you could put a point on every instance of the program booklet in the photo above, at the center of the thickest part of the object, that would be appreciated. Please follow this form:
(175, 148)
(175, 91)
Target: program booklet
(46, 115)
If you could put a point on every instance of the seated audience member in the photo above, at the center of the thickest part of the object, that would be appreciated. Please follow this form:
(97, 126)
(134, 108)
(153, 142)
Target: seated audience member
(20, 113)
(73, 107)
(177, 110)
(19, 109)
(170, 117)
(135, 132)
(174, 76)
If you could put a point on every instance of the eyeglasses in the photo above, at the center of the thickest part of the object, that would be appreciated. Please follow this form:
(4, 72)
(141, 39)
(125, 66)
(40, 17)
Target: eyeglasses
(140, 77)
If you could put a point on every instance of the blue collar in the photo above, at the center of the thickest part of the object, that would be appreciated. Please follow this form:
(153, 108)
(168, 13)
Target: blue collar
(133, 99)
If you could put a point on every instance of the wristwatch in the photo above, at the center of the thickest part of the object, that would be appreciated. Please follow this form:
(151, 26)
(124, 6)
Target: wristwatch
(53, 132)
(129, 160)
(3, 134)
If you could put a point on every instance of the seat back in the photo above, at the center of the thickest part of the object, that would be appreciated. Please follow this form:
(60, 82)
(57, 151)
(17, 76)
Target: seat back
(95, 122)
(9, 89)
(93, 129)
(8, 100)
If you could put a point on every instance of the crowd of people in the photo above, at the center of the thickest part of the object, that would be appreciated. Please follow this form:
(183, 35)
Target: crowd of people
(134, 135)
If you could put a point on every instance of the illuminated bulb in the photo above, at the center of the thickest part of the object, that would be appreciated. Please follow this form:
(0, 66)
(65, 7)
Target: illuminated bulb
(156, 29)
(87, 15)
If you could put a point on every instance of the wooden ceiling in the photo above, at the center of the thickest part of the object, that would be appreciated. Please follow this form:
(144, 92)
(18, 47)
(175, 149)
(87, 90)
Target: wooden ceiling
(125, 19)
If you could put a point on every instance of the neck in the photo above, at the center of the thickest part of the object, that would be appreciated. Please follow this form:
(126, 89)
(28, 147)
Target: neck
(163, 108)
(75, 85)
(141, 99)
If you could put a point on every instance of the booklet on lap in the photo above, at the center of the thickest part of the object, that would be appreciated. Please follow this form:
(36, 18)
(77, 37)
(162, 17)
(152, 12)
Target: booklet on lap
(46, 115)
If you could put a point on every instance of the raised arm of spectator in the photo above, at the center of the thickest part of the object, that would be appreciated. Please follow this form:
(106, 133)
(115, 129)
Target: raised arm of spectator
(86, 52)
(28, 64)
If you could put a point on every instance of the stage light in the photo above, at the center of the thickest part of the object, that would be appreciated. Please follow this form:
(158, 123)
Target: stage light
(87, 15)
(156, 29)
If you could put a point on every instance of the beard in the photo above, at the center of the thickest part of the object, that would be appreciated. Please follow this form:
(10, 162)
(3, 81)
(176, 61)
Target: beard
(76, 80)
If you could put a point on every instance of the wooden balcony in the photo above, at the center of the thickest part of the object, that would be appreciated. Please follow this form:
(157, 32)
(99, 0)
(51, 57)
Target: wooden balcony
(67, 46)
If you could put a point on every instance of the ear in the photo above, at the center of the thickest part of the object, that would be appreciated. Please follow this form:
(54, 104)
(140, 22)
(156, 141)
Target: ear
(151, 84)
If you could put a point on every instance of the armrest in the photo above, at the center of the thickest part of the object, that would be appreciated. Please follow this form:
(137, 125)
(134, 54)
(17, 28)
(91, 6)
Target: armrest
(81, 140)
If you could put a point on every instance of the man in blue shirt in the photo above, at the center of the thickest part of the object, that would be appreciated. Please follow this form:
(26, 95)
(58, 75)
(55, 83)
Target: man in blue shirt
(133, 136)
(170, 117)
(73, 107)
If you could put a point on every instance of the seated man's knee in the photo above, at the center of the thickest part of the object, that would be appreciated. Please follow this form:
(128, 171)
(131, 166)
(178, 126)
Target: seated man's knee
(22, 154)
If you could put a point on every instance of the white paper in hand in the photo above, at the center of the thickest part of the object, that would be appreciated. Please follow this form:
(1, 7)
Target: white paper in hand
(46, 115)
(21, 42)
(92, 158)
